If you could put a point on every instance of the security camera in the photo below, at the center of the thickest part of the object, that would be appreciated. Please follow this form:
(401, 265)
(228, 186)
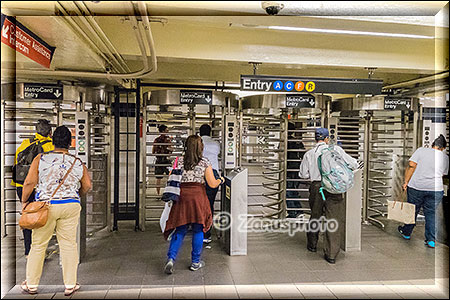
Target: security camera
(272, 8)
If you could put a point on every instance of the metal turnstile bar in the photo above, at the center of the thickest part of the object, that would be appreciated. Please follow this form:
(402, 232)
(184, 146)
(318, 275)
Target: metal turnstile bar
(313, 129)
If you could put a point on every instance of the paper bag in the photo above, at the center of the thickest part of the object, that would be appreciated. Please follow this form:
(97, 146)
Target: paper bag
(403, 212)
(165, 215)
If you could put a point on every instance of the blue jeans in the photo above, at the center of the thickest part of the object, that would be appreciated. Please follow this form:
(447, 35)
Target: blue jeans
(429, 200)
(177, 241)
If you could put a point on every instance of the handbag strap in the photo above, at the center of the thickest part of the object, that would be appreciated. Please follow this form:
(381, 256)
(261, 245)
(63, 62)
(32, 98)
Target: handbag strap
(65, 176)
(175, 163)
(401, 199)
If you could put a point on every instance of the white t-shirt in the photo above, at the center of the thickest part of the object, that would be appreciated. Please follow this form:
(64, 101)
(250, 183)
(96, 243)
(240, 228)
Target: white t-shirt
(432, 164)
(211, 150)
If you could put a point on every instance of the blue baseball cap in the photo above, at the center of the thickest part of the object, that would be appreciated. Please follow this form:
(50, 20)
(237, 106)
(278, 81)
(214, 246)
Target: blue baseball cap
(321, 134)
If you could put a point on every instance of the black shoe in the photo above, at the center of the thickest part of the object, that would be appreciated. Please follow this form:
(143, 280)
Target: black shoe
(312, 249)
(329, 260)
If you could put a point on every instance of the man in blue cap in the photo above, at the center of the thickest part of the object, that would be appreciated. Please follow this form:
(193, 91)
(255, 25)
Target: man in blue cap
(333, 206)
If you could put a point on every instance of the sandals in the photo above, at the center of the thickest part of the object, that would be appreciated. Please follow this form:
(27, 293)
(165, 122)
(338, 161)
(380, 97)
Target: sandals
(68, 292)
(33, 291)
(25, 288)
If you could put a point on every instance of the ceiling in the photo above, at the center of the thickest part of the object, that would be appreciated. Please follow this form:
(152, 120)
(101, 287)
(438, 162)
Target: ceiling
(221, 38)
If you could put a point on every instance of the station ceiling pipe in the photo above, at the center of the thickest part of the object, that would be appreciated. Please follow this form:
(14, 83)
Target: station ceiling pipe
(103, 36)
(434, 77)
(97, 40)
(133, 75)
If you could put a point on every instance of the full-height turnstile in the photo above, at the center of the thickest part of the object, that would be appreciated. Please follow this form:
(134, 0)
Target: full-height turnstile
(385, 138)
(19, 117)
(274, 139)
(169, 107)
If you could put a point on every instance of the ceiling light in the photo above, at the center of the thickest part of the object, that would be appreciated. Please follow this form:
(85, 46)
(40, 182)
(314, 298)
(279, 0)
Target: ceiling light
(337, 31)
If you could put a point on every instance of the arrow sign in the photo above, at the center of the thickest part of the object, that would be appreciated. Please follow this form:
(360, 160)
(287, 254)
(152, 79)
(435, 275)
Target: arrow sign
(5, 31)
(24, 41)
(195, 97)
(396, 103)
(298, 101)
(42, 91)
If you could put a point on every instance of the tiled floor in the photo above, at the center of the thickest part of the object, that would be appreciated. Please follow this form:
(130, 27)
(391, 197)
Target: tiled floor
(128, 264)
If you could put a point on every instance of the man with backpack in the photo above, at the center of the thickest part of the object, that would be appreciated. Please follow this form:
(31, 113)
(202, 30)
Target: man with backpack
(327, 189)
(27, 151)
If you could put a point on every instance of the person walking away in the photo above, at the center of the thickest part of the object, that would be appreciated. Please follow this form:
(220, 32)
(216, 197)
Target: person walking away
(424, 186)
(60, 178)
(293, 156)
(211, 151)
(162, 153)
(333, 206)
(193, 208)
(27, 151)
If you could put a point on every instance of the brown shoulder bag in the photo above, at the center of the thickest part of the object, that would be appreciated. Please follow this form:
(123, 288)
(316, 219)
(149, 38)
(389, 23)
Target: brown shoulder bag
(35, 214)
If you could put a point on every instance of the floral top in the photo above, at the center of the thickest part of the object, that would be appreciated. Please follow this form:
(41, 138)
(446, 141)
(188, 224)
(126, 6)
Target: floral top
(52, 168)
(197, 174)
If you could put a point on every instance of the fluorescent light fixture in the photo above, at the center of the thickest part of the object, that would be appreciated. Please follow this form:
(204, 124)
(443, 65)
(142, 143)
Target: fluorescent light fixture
(337, 31)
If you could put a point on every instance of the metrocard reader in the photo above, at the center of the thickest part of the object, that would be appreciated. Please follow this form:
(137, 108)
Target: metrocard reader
(234, 206)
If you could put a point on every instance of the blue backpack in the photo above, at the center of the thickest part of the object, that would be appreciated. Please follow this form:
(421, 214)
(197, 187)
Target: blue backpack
(337, 177)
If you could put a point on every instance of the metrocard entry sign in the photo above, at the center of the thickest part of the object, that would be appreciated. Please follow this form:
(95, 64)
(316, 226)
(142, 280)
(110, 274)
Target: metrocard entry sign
(20, 38)
(42, 91)
(283, 84)
(299, 101)
(195, 97)
(397, 104)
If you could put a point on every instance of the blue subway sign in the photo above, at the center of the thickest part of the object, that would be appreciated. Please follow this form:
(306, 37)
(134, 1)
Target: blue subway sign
(283, 84)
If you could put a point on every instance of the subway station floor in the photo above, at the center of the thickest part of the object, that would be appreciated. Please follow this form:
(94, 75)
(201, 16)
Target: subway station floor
(129, 264)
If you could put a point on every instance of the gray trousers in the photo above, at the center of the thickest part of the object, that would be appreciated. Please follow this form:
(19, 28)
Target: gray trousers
(331, 208)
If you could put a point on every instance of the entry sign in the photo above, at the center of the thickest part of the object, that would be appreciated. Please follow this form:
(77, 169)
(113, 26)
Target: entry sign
(195, 97)
(299, 101)
(397, 104)
(283, 84)
(20, 38)
(42, 91)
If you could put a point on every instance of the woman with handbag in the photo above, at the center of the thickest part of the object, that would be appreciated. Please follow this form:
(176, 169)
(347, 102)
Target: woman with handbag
(193, 208)
(59, 178)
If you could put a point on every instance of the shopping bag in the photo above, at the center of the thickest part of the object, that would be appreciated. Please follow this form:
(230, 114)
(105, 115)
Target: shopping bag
(401, 211)
(165, 215)
(172, 189)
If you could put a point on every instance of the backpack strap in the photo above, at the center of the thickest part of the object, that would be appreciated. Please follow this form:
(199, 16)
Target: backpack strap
(42, 143)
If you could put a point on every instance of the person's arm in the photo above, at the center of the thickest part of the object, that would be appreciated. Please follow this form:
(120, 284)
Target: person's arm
(409, 172)
(86, 183)
(154, 146)
(170, 148)
(211, 180)
(351, 162)
(304, 168)
(31, 180)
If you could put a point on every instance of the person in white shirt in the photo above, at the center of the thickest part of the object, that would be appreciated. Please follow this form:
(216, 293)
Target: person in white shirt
(333, 206)
(424, 186)
(211, 150)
